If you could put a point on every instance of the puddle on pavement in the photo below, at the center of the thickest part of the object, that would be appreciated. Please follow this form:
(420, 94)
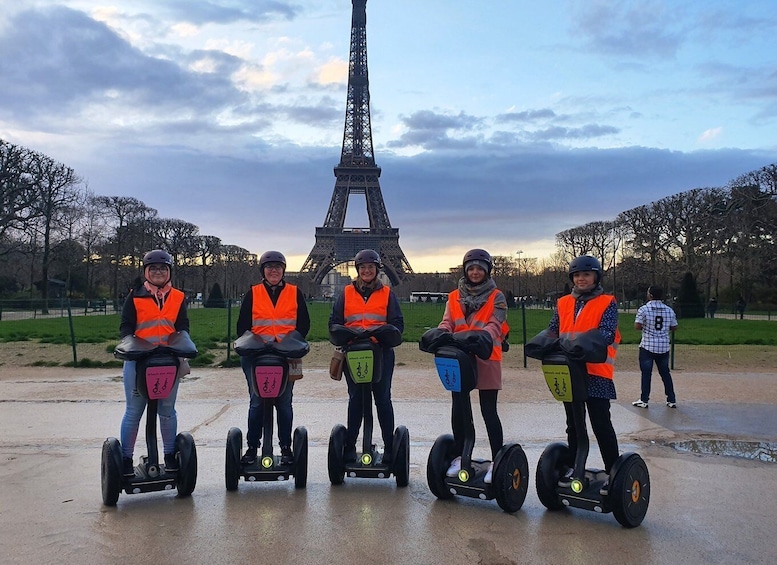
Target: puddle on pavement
(757, 450)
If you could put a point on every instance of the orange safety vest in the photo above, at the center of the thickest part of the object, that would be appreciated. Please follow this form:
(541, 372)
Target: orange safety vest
(588, 319)
(155, 325)
(368, 314)
(479, 321)
(273, 321)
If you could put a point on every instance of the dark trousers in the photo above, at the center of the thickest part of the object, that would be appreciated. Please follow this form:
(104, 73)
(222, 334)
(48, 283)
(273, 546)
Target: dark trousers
(646, 360)
(461, 420)
(381, 394)
(599, 414)
(283, 410)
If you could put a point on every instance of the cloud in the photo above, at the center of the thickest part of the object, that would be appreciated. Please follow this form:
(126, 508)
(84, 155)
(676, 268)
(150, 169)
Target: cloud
(227, 11)
(710, 135)
(644, 28)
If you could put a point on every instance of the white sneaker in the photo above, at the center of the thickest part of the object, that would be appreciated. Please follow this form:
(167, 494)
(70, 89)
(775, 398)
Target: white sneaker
(455, 467)
(639, 404)
(489, 474)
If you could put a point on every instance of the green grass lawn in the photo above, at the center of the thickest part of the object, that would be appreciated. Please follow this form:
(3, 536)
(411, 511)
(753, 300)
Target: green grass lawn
(212, 328)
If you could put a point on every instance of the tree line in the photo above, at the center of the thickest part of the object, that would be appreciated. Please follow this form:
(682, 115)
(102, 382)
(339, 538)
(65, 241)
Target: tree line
(57, 238)
(724, 237)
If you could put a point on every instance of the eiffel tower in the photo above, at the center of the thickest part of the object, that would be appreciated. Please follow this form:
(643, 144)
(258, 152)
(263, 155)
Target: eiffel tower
(357, 174)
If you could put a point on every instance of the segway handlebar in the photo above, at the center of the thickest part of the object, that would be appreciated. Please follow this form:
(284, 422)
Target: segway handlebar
(292, 346)
(476, 342)
(133, 348)
(588, 347)
(386, 335)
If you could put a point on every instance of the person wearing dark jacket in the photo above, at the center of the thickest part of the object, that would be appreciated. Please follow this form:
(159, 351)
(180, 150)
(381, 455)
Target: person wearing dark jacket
(364, 304)
(153, 310)
(271, 309)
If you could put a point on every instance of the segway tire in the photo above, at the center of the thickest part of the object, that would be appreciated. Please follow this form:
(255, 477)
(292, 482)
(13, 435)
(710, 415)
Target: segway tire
(232, 459)
(629, 495)
(111, 471)
(401, 461)
(549, 469)
(187, 457)
(300, 449)
(335, 463)
(511, 479)
(440, 457)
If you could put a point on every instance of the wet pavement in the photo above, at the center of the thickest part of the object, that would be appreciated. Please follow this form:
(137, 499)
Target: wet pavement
(704, 508)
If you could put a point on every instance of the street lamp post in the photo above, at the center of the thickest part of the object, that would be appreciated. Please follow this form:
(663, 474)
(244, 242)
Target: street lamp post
(519, 253)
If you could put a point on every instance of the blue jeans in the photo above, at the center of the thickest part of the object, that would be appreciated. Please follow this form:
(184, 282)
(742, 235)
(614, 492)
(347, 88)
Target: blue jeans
(646, 360)
(136, 404)
(381, 393)
(283, 409)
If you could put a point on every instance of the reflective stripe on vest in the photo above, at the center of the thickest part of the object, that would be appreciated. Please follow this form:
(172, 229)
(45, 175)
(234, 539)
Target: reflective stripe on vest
(479, 320)
(273, 321)
(588, 319)
(155, 325)
(365, 315)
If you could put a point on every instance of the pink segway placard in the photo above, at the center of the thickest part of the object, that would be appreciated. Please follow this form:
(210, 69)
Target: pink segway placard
(160, 381)
(268, 380)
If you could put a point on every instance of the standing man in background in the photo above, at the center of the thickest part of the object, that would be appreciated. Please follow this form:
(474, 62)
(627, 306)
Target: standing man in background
(655, 320)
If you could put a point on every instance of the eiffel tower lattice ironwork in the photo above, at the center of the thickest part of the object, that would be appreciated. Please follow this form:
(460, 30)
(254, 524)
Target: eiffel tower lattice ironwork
(357, 174)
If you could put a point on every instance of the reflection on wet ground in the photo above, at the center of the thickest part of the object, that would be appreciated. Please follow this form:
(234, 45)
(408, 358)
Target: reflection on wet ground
(758, 450)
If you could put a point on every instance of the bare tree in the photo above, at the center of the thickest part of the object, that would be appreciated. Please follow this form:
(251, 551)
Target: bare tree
(16, 192)
(55, 187)
(121, 212)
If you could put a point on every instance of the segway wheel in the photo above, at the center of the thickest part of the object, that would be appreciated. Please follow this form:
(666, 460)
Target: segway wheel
(549, 469)
(335, 463)
(511, 479)
(300, 457)
(440, 457)
(401, 461)
(111, 471)
(187, 458)
(232, 459)
(629, 495)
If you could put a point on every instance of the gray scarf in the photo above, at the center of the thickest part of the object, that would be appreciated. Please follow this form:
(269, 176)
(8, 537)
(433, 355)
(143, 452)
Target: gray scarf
(587, 295)
(473, 296)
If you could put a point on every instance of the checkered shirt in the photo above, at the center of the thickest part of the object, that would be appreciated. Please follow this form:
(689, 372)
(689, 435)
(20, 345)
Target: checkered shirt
(657, 319)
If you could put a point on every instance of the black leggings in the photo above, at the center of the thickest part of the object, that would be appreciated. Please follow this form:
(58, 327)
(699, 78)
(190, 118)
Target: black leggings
(601, 424)
(462, 422)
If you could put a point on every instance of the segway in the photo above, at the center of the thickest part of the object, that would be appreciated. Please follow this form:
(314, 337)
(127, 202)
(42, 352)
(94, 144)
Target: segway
(363, 364)
(628, 493)
(270, 376)
(454, 358)
(156, 373)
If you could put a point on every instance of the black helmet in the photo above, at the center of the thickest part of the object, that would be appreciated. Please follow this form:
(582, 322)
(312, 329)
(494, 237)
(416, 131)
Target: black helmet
(367, 256)
(586, 263)
(478, 255)
(271, 257)
(157, 257)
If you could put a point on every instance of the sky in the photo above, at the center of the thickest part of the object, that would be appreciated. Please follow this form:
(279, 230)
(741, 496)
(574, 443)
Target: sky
(496, 124)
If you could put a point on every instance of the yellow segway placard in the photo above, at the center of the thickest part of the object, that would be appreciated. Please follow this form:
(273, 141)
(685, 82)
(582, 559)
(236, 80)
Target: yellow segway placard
(559, 381)
(360, 365)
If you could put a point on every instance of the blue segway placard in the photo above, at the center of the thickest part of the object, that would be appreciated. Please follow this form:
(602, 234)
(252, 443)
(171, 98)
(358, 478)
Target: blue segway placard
(449, 372)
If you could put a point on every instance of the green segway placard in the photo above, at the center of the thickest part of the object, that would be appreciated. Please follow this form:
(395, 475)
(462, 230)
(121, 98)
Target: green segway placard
(559, 381)
(360, 365)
